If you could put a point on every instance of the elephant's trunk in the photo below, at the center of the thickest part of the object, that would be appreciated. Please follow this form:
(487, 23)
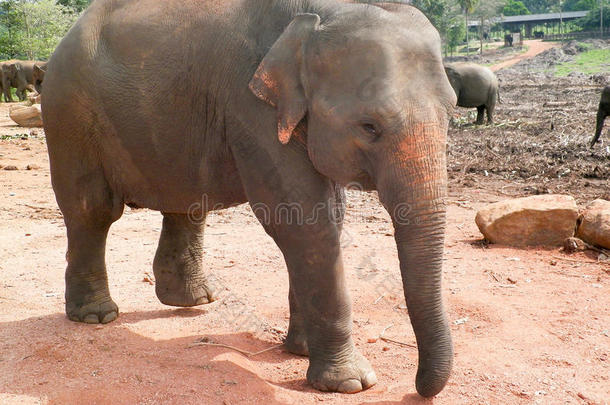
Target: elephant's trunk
(412, 187)
(601, 116)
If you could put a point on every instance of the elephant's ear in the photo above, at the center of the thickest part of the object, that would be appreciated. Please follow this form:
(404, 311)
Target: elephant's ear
(40, 68)
(277, 80)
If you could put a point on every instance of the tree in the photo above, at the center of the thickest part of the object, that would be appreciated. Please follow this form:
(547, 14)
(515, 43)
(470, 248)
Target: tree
(10, 35)
(580, 5)
(486, 12)
(33, 28)
(591, 21)
(539, 6)
(442, 14)
(78, 5)
(468, 7)
(515, 7)
(455, 34)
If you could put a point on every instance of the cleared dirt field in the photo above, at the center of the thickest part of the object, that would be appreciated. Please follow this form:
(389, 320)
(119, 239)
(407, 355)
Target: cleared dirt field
(529, 326)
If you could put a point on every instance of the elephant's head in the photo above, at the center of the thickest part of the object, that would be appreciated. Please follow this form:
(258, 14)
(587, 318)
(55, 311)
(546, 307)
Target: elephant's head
(38, 76)
(372, 89)
(9, 72)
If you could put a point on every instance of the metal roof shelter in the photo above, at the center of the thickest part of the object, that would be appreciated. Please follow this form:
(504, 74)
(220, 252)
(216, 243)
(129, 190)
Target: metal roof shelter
(534, 18)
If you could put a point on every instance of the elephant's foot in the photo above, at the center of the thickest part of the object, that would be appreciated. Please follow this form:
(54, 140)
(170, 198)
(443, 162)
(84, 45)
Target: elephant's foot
(296, 343)
(350, 375)
(177, 292)
(103, 310)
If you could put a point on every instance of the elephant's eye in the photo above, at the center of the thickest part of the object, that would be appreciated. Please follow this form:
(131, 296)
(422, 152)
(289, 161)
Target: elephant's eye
(371, 129)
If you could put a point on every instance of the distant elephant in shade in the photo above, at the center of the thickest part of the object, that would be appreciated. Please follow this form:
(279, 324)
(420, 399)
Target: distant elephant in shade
(18, 74)
(38, 76)
(602, 112)
(474, 86)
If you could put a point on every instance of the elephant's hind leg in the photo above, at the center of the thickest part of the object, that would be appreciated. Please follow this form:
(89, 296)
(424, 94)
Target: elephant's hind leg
(178, 267)
(480, 114)
(89, 209)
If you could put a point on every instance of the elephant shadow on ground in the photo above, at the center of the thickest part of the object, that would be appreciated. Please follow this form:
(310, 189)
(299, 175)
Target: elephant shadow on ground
(65, 362)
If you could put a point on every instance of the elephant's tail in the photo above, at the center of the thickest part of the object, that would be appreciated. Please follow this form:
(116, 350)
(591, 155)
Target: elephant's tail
(498, 94)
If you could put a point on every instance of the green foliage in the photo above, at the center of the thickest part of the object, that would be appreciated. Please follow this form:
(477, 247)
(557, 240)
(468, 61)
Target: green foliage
(455, 35)
(444, 15)
(590, 62)
(78, 5)
(591, 21)
(468, 6)
(515, 7)
(32, 28)
(579, 5)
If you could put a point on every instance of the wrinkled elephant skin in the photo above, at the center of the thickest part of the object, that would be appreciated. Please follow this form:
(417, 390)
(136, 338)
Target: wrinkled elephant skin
(187, 107)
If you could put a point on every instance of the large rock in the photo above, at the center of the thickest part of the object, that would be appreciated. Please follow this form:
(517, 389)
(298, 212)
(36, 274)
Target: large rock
(541, 220)
(26, 116)
(594, 224)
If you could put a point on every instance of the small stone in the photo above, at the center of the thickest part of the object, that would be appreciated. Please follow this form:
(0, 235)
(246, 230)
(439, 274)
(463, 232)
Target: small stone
(571, 245)
(11, 167)
(32, 166)
(371, 340)
(385, 348)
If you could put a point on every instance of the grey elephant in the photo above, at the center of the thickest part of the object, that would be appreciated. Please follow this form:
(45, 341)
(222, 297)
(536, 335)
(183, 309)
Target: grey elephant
(18, 74)
(186, 107)
(38, 73)
(6, 80)
(602, 112)
(474, 86)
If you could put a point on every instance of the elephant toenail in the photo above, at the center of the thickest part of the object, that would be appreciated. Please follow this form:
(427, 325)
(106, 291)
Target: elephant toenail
(369, 380)
(109, 317)
(91, 318)
(350, 386)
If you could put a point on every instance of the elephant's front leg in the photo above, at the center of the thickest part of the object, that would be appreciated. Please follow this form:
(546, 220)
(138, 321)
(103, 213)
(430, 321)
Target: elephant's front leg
(296, 339)
(315, 267)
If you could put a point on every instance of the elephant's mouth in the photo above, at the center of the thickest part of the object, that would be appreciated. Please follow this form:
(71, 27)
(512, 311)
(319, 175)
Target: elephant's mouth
(362, 182)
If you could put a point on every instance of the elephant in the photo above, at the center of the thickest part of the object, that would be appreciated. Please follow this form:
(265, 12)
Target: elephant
(18, 74)
(189, 107)
(38, 76)
(602, 112)
(474, 86)
(6, 80)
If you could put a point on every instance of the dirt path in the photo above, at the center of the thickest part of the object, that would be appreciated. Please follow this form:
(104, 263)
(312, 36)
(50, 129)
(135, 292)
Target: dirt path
(535, 46)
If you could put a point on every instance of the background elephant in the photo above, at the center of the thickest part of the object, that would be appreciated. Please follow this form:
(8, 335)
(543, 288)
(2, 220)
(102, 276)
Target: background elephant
(475, 86)
(38, 76)
(275, 103)
(6, 80)
(602, 112)
(18, 74)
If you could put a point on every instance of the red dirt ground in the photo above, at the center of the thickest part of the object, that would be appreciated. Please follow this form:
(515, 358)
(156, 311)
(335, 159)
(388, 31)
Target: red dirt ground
(529, 326)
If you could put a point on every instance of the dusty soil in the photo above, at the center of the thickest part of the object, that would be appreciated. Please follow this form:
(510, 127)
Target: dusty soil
(539, 141)
(529, 326)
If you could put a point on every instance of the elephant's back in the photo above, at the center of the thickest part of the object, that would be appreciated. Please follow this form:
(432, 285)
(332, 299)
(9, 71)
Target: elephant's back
(131, 78)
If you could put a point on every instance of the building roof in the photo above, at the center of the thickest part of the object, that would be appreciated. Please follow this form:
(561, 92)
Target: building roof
(539, 18)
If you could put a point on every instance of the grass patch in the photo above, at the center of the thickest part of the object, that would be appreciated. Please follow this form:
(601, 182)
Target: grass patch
(590, 62)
